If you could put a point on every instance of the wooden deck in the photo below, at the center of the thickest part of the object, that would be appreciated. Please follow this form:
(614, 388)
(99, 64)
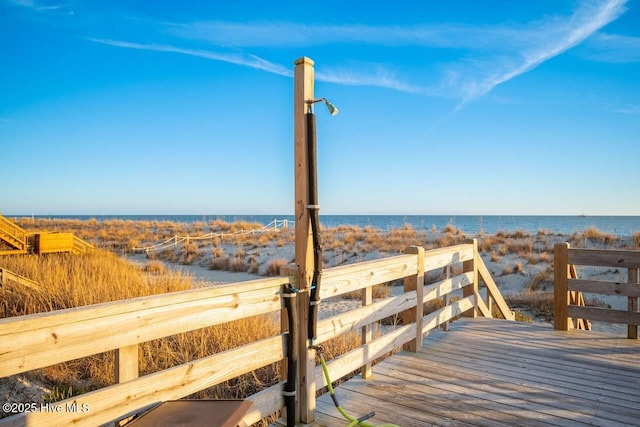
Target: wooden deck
(487, 372)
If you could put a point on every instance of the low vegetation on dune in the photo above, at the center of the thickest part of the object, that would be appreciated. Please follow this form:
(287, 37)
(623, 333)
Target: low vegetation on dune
(67, 281)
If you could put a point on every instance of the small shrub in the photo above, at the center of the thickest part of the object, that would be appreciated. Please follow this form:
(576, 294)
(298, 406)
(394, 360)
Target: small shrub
(450, 229)
(518, 234)
(541, 280)
(217, 252)
(273, 267)
(518, 268)
(595, 235)
(254, 267)
(155, 267)
(221, 263)
(540, 304)
(635, 239)
(238, 265)
(544, 257)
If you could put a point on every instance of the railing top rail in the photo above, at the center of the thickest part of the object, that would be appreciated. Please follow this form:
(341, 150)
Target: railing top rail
(605, 257)
(11, 325)
(352, 277)
(449, 255)
(93, 330)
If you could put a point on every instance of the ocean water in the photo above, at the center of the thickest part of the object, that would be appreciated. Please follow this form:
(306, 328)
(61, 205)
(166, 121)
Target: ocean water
(470, 224)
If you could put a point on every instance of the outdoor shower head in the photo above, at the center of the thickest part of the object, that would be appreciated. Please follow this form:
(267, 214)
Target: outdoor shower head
(333, 110)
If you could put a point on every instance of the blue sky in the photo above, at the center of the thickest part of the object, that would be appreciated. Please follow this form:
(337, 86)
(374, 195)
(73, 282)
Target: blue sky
(456, 107)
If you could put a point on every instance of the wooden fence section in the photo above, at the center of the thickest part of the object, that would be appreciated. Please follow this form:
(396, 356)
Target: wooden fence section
(14, 236)
(35, 341)
(568, 289)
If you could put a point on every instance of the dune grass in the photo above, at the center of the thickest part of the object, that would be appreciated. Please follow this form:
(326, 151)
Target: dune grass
(77, 280)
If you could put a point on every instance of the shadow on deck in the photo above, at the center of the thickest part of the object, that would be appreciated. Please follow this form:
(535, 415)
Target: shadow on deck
(487, 372)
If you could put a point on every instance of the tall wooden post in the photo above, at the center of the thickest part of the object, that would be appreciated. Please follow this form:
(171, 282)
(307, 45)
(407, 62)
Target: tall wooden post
(561, 286)
(303, 91)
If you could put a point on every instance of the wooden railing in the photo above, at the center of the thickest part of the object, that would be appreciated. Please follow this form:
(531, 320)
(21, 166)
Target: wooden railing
(14, 235)
(35, 341)
(8, 277)
(79, 246)
(569, 308)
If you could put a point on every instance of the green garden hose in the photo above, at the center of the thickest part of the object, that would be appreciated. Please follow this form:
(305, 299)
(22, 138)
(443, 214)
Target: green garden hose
(352, 421)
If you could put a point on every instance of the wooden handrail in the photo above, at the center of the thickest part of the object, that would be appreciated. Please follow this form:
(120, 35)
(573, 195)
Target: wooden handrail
(81, 246)
(493, 291)
(569, 301)
(39, 340)
(7, 276)
(14, 232)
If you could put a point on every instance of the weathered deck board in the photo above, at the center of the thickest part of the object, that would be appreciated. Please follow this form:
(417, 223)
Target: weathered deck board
(487, 372)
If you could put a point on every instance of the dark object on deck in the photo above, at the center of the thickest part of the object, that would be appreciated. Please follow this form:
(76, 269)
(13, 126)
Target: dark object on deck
(192, 413)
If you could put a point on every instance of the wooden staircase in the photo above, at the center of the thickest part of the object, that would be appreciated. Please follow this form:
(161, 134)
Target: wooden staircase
(15, 240)
(12, 237)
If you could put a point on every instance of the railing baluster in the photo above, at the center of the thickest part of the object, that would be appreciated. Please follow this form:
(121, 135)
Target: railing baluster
(472, 289)
(632, 305)
(367, 331)
(447, 275)
(415, 283)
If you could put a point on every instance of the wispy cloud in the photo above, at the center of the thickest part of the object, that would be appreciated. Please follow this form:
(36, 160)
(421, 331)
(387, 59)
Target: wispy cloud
(287, 34)
(613, 48)
(246, 60)
(40, 6)
(487, 56)
(492, 55)
(561, 35)
(635, 109)
(379, 78)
